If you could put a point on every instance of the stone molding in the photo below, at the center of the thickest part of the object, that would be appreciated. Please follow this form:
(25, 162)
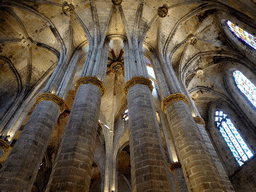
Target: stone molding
(138, 80)
(173, 97)
(174, 166)
(52, 97)
(199, 120)
(93, 80)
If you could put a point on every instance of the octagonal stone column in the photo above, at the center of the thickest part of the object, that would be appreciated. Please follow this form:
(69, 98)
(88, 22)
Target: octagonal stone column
(73, 165)
(20, 169)
(147, 164)
(198, 168)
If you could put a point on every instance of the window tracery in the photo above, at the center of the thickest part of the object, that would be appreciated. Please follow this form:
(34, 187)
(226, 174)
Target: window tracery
(245, 86)
(233, 139)
(243, 35)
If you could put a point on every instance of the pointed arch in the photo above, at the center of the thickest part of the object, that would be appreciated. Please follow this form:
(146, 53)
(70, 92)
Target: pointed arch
(235, 142)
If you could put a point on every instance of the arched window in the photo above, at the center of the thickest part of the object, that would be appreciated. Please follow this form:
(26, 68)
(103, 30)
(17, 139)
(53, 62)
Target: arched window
(242, 34)
(245, 86)
(233, 139)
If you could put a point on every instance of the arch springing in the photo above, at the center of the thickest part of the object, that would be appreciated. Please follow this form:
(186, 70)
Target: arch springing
(243, 35)
(233, 139)
(245, 86)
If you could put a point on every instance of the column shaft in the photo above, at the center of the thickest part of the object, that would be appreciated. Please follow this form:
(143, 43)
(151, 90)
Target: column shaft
(20, 169)
(148, 171)
(73, 165)
(215, 158)
(198, 167)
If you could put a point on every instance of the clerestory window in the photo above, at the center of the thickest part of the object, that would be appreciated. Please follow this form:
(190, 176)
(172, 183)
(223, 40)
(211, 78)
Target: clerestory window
(243, 35)
(233, 139)
(245, 86)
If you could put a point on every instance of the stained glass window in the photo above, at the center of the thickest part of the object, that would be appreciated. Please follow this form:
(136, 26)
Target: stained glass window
(233, 139)
(125, 115)
(242, 34)
(245, 86)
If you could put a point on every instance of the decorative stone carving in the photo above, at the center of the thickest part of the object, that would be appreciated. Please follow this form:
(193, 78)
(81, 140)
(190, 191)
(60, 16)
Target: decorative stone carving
(51, 97)
(162, 11)
(93, 80)
(117, 67)
(138, 80)
(174, 166)
(174, 97)
(199, 72)
(67, 8)
(117, 2)
(26, 42)
(199, 120)
(193, 40)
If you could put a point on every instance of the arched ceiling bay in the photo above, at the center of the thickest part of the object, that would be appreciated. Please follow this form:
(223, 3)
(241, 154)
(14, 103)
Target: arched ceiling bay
(33, 34)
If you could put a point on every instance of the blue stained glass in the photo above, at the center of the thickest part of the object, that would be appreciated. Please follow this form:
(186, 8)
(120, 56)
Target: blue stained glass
(243, 35)
(233, 139)
(245, 86)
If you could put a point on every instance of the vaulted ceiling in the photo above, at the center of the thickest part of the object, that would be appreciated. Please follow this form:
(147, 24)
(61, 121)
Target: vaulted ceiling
(35, 33)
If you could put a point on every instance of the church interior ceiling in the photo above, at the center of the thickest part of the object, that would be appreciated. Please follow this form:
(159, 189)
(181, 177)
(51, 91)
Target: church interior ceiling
(35, 34)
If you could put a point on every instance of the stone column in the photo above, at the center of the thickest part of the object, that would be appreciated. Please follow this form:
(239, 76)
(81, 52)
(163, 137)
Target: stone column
(20, 169)
(198, 167)
(73, 164)
(147, 164)
(223, 175)
(179, 180)
(179, 183)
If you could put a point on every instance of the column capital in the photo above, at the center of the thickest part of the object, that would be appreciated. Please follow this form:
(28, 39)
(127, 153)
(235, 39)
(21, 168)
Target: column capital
(173, 97)
(174, 166)
(199, 120)
(93, 80)
(4, 145)
(6, 149)
(138, 80)
(52, 97)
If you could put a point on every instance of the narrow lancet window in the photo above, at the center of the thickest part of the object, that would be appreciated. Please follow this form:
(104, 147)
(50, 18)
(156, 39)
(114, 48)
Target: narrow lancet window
(245, 86)
(233, 139)
(243, 35)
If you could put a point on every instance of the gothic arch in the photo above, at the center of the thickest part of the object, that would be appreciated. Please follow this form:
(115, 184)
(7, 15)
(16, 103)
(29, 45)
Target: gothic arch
(221, 146)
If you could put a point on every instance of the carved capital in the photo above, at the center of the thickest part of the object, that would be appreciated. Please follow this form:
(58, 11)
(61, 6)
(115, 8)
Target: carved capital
(162, 11)
(51, 97)
(4, 145)
(117, 2)
(93, 80)
(174, 166)
(174, 97)
(199, 120)
(138, 80)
